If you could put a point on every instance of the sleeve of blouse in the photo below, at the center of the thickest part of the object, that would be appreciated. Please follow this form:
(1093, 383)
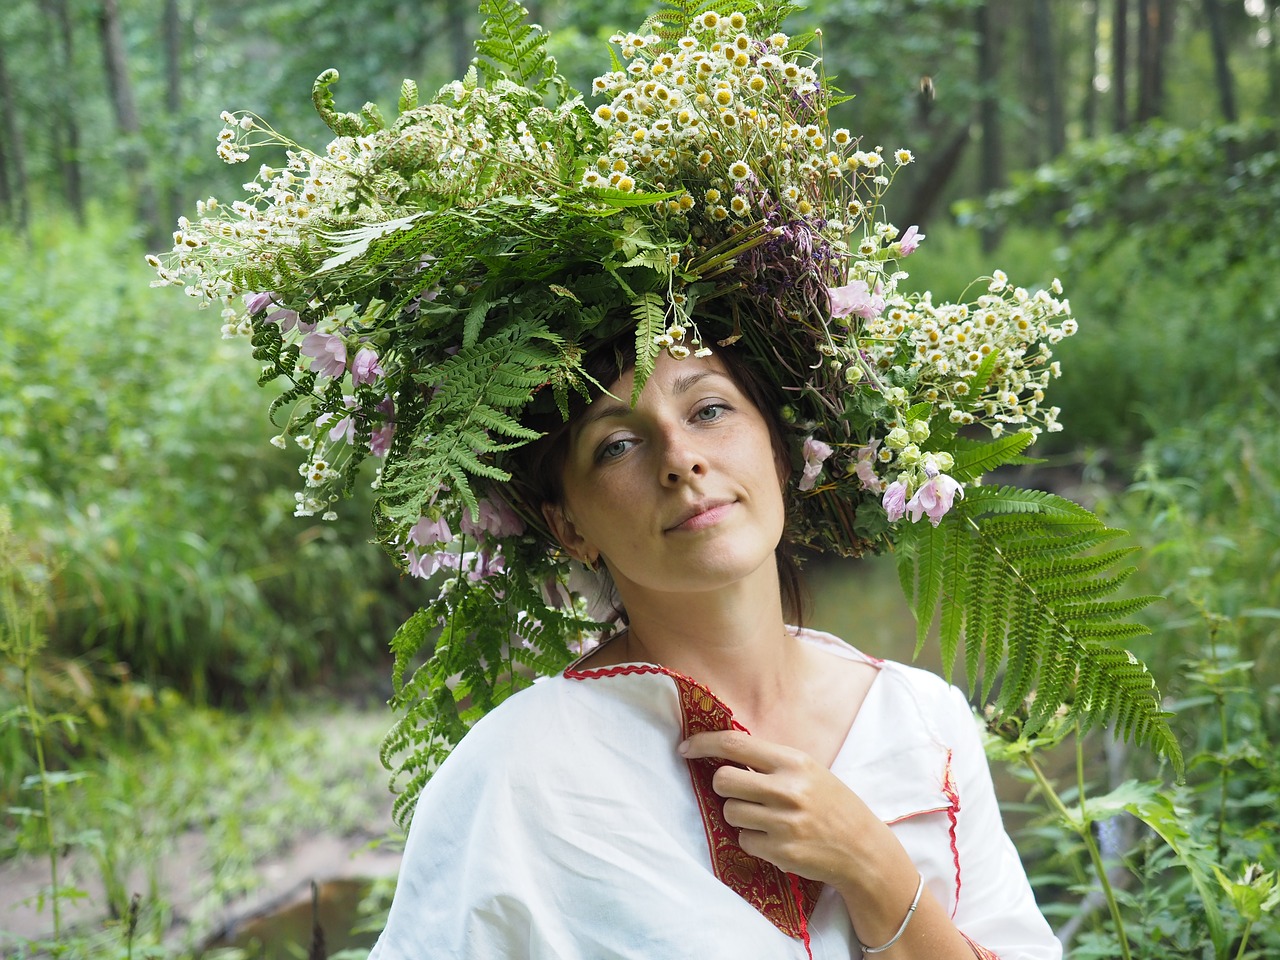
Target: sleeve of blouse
(996, 908)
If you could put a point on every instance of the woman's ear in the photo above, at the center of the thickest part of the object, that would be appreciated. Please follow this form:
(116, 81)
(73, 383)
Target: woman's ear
(564, 530)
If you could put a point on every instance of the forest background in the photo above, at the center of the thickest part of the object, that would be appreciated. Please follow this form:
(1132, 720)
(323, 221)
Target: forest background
(167, 625)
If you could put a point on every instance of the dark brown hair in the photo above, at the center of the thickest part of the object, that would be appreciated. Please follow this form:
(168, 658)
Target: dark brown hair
(537, 468)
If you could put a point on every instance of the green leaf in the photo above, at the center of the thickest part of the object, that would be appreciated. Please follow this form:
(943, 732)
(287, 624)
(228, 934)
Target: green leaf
(1018, 584)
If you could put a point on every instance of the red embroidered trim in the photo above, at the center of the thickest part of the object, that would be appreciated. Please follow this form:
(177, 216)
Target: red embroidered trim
(952, 794)
(979, 951)
(786, 900)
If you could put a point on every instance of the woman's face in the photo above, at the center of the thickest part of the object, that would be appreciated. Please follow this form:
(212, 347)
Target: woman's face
(681, 494)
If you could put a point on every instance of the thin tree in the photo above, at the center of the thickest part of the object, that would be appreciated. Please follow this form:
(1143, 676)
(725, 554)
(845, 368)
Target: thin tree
(1155, 28)
(171, 28)
(1048, 94)
(66, 125)
(116, 66)
(1089, 103)
(991, 173)
(14, 156)
(1273, 61)
(1222, 73)
(1120, 65)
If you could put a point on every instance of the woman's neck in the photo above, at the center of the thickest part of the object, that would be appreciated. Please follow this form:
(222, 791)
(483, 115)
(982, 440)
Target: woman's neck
(734, 640)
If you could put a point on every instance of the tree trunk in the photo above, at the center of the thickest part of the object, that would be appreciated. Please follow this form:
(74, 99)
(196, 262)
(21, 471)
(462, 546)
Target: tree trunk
(1049, 97)
(460, 39)
(1154, 31)
(1120, 65)
(1221, 64)
(1089, 106)
(943, 166)
(66, 135)
(990, 176)
(172, 29)
(1273, 61)
(15, 161)
(116, 66)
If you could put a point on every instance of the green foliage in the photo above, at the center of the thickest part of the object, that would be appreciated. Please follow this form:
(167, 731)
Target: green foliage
(472, 394)
(132, 451)
(512, 49)
(480, 647)
(1011, 572)
(246, 786)
(1170, 255)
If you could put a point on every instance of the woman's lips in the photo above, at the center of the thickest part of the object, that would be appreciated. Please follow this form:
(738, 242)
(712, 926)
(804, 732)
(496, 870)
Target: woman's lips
(705, 518)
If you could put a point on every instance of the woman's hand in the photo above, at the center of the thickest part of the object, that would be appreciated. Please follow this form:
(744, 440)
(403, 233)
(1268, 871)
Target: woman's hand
(794, 812)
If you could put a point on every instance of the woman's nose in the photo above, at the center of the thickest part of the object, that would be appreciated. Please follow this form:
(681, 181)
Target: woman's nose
(681, 460)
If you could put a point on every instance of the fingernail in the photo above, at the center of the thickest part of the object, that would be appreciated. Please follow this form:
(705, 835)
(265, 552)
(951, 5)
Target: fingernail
(684, 748)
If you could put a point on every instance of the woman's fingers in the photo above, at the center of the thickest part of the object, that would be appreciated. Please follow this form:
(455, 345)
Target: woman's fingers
(739, 747)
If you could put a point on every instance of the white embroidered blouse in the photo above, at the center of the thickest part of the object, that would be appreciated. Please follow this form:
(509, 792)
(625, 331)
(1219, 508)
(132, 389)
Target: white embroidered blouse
(566, 826)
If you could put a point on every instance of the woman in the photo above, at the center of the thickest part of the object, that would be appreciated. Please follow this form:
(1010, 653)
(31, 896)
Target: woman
(709, 782)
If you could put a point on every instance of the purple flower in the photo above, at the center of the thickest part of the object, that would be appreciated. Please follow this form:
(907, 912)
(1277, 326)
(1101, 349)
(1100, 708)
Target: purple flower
(344, 429)
(815, 453)
(895, 500)
(910, 240)
(496, 519)
(866, 468)
(257, 302)
(365, 367)
(934, 498)
(329, 353)
(855, 298)
(483, 564)
(380, 439)
(426, 532)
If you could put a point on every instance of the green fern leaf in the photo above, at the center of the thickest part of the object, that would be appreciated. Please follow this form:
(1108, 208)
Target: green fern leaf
(511, 49)
(1036, 609)
(650, 313)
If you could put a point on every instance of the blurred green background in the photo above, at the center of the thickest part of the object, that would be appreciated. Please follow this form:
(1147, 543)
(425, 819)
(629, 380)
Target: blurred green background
(157, 590)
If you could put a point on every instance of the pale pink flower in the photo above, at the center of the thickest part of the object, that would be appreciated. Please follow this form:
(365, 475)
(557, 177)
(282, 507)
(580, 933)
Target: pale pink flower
(257, 302)
(496, 519)
(855, 298)
(328, 352)
(815, 454)
(427, 531)
(380, 440)
(910, 240)
(934, 498)
(344, 429)
(866, 469)
(365, 367)
(895, 500)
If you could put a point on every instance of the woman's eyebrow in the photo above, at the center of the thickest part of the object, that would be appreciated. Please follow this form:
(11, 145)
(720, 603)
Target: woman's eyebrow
(601, 411)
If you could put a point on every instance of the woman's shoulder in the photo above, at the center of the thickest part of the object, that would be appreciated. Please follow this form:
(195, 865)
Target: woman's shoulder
(937, 701)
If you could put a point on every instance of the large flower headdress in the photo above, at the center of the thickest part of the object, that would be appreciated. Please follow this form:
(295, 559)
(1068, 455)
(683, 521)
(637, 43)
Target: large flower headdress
(418, 285)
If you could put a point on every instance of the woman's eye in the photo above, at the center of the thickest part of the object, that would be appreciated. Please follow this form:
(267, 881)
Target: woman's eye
(712, 411)
(615, 448)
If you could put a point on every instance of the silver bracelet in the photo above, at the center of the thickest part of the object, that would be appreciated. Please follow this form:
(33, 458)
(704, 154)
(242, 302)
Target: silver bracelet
(915, 902)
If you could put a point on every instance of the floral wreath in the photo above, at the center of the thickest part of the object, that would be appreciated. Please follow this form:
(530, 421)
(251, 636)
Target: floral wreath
(418, 284)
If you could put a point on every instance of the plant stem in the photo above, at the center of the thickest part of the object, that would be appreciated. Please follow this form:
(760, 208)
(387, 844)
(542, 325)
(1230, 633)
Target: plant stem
(1086, 835)
(37, 732)
(1244, 939)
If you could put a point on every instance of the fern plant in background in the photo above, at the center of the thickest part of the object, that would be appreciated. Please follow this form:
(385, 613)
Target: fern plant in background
(421, 286)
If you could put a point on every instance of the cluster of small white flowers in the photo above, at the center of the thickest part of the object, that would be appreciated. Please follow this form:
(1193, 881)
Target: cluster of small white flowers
(733, 122)
(940, 347)
(480, 128)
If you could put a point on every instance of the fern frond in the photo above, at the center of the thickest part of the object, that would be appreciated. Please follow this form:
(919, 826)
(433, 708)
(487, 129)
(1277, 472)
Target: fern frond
(1029, 591)
(511, 49)
(973, 461)
(469, 419)
(650, 313)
